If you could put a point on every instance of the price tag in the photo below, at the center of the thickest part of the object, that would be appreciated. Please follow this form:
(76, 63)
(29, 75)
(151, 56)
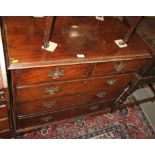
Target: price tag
(80, 56)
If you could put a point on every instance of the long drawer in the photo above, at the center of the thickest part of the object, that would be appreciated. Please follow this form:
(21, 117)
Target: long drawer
(64, 102)
(61, 115)
(120, 66)
(3, 111)
(48, 74)
(4, 124)
(73, 87)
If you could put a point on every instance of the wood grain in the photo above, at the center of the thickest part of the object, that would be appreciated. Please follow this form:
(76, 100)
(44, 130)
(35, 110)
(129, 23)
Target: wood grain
(74, 35)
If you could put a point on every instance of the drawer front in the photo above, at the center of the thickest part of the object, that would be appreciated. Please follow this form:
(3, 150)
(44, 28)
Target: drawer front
(64, 102)
(4, 124)
(61, 115)
(3, 111)
(5, 134)
(39, 75)
(120, 66)
(74, 87)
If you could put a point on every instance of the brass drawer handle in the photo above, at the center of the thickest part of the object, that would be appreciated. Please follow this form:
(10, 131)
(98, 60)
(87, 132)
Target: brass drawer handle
(111, 82)
(119, 66)
(46, 119)
(49, 104)
(2, 98)
(52, 90)
(94, 107)
(101, 94)
(56, 74)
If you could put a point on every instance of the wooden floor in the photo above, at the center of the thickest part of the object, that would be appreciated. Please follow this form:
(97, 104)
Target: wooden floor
(146, 30)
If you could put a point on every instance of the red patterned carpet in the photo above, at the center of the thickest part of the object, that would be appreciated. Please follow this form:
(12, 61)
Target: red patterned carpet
(132, 123)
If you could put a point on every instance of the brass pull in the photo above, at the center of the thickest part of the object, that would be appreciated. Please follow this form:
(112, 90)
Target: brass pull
(56, 74)
(2, 98)
(111, 82)
(101, 94)
(2, 106)
(52, 90)
(46, 118)
(49, 104)
(94, 107)
(119, 66)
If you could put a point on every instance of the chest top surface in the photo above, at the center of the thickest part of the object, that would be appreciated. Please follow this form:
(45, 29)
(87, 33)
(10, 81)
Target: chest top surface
(74, 35)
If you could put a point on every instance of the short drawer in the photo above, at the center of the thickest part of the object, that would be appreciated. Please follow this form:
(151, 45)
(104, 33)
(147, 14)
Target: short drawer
(120, 66)
(4, 124)
(61, 115)
(58, 73)
(64, 102)
(74, 87)
(3, 111)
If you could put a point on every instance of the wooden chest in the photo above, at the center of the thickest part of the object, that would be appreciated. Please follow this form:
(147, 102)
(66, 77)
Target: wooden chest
(49, 87)
(5, 118)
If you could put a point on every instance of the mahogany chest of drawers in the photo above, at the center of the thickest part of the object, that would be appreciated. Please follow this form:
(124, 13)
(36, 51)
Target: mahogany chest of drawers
(5, 116)
(49, 87)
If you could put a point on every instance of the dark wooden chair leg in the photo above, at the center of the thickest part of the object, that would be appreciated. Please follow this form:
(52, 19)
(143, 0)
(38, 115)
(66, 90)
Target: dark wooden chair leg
(48, 30)
(133, 26)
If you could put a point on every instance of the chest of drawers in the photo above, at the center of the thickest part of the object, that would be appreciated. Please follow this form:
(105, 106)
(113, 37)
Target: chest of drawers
(5, 116)
(51, 87)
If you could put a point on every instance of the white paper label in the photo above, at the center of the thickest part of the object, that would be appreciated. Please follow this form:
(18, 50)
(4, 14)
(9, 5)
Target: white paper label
(80, 55)
(100, 18)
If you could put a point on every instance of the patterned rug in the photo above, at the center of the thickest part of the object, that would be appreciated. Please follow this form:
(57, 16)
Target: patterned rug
(129, 123)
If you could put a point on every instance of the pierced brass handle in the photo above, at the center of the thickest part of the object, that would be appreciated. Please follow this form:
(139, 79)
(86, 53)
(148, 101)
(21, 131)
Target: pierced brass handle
(2, 98)
(47, 118)
(111, 82)
(52, 90)
(56, 74)
(49, 104)
(101, 94)
(119, 66)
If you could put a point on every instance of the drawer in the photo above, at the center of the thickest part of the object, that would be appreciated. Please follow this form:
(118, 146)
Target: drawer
(4, 124)
(74, 87)
(3, 96)
(3, 111)
(58, 73)
(120, 66)
(5, 134)
(64, 102)
(61, 115)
